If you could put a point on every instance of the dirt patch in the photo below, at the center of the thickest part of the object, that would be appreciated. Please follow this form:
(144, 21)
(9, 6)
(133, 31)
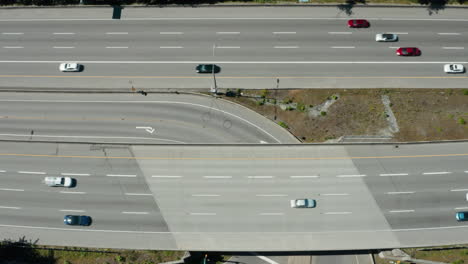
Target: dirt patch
(420, 114)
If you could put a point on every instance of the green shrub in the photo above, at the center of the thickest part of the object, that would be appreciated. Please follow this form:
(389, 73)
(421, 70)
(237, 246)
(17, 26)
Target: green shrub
(323, 113)
(461, 121)
(289, 108)
(261, 102)
(450, 115)
(459, 261)
(264, 93)
(301, 107)
(335, 97)
(273, 101)
(119, 259)
(66, 262)
(283, 124)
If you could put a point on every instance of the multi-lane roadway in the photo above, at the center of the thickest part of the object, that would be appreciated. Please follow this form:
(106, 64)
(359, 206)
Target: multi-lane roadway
(255, 47)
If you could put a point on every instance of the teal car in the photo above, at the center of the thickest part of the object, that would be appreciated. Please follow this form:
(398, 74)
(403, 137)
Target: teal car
(208, 68)
(461, 216)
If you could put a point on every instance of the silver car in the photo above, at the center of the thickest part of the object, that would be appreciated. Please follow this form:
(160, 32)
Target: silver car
(70, 67)
(58, 181)
(454, 68)
(386, 37)
(303, 203)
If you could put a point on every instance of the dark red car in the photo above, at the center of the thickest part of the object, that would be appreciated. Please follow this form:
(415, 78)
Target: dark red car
(358, 23)
(408, 52)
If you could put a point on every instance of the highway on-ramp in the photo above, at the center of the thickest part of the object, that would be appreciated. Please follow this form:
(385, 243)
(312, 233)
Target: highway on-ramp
(196, 197)
(255, 48)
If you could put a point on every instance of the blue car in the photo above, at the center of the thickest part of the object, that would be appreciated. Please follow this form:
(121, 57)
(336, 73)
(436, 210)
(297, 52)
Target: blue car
(82, 220)
(461, 216)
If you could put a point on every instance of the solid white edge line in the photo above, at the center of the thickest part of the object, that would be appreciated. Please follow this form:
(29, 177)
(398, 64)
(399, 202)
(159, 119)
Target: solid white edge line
(337, 213)
(13, 190)
(32, 172)
(206, 195)
(400, 192)
(351, 176)
(217, 177)
(401, 211)
(137, 213)
(301, 177)
(71, 210)
(393, 174)
(139, 194)
(437, 172)
(166, 176)
(74, 174)
(121, 175)
(10, 207)
(68, 192)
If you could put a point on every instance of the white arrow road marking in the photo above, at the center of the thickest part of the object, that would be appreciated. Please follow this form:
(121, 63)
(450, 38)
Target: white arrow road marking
(148, 129)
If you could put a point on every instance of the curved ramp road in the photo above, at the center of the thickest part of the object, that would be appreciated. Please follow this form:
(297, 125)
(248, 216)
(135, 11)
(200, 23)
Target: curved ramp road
(255, 47)
(133, 118)
(237, 197)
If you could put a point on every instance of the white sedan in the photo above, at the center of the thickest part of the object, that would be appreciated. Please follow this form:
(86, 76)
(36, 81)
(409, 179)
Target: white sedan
(70, 67)
(303, 203)
(386, 37)
(454, 68)
(58, 181)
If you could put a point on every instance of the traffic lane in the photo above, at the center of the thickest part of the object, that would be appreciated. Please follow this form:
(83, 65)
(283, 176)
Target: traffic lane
(345, 259)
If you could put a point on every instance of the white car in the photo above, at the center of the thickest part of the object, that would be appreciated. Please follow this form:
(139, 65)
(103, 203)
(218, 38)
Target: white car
(58, 181)
(454, 68)
(70, 67)
(303, 203)
(386, 37)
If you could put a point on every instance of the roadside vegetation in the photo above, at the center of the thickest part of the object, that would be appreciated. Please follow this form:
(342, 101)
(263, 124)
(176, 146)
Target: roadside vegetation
(319, 115)
(447, 254)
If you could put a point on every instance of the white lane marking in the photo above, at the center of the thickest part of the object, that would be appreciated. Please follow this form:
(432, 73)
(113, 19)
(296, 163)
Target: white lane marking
(217, 177)
(448, 34)
(93, 137)
(146, 128)
(460, 208)
(205, 195)
(229, 33)
(342, 47)
(459, 190)
(270, 261)
(72, 210)
(337, 213)
(437, 172)
(117, 47)
(453, 48)
(32, 172)
(271, 195)
(171, 33)
(63, 33)
(340, 32)
(166, 176)
(466, 171)
(334, 194)
(260, 177)
(243, 62)
(393, 174)
(285, 32)
(68, 192)
(399, 33)
(13, 190)
(227, 47)
(303, 177)
(13, 47)
(2, 170)
(269, 214)
(9, 207)
(202, 213)
(117, 33)
(64, 47)
(138, 213)
(139, 194)
(286, 47)
(400, 192)
(13, 33)
(74, 174)
(171, 47)
(121, 175)
(393, 47)
(401, 211)
(351, 176)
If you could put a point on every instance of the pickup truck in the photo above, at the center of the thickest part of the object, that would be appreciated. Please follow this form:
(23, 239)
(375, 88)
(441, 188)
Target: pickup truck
(58, 181)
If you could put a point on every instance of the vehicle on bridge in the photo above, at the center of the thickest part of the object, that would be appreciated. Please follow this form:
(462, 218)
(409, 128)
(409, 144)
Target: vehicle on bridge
(454, 68)
(412, 51)
(70, 67)
(208, 68)
(358, 23)
(386, 37)
(303, 203)
(82, 220)
(58, 181)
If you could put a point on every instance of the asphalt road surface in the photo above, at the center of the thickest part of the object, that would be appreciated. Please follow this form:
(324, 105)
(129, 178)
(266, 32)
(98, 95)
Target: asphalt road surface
(237, 197)
(255, 47)
(133, 118)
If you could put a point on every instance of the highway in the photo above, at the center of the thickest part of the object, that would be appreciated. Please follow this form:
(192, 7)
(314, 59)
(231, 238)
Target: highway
(308, 48)
(133, 118)
(236, 198)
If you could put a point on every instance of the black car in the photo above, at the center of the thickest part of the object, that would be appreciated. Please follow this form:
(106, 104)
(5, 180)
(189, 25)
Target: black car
(208, 68)
(82, 220)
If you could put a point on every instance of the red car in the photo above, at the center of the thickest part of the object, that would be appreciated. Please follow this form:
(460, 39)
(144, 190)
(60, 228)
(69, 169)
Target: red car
(358, 23)
(408, 52)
